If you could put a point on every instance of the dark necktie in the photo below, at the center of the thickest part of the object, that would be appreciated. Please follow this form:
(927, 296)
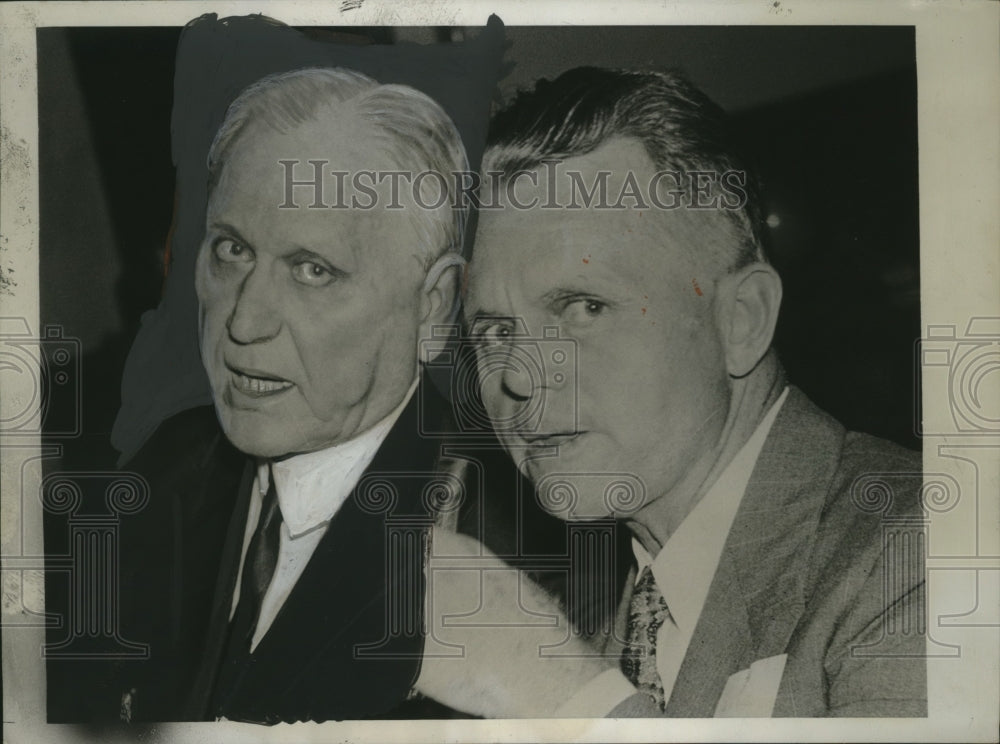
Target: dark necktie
(258, 568)
(261, 560)
(647, 612)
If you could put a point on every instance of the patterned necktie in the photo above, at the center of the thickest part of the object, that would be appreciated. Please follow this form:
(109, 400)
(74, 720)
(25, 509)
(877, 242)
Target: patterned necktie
(262, 558)
(647, 612)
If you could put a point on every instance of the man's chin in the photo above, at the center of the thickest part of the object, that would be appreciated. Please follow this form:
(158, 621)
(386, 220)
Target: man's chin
(256, 446)
(254, 438)
(576, 494)
(571, 498)
(579, 516)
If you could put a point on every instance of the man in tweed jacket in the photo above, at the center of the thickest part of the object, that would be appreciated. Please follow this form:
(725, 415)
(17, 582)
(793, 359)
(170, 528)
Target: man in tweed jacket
(779, 558)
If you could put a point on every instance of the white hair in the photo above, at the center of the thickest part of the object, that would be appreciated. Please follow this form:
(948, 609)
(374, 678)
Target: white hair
(413, 128)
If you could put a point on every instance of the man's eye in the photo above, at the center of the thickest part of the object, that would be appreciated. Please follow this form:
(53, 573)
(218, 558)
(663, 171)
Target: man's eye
(229, 251)
(583, 310)
(491, 334)
(312, 273)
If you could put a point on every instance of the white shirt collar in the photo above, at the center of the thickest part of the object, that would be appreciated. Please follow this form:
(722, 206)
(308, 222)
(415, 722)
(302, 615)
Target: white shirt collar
(685, 566)
(313, 486)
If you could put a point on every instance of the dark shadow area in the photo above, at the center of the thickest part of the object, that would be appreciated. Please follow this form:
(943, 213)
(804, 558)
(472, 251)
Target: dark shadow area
(106, 194)
(839, 169)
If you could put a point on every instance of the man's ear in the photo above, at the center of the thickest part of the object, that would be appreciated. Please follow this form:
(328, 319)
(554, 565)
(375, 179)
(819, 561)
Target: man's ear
(750, 298)
(440, 298)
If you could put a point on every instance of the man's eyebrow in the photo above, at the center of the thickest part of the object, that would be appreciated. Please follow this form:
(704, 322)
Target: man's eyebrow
(300, 253)
(225, 227)
(345, 246)
(481, 314)
(567, 292)
(560, 293)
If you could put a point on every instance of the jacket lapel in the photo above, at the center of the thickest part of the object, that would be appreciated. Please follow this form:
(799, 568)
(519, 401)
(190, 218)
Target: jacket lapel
(721, 645)
(757, 595)
(199, 701)
(169, 554)
(309, 664)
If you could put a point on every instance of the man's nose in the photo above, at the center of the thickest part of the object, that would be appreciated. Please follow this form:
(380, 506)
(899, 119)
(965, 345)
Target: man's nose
(256, 315)
(517, 385)
(526, 372)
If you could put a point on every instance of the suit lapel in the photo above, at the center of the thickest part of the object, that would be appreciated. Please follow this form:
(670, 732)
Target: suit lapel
(338, 604)
(721, 645)
(215, 641)
(757, 595)
(172, 550)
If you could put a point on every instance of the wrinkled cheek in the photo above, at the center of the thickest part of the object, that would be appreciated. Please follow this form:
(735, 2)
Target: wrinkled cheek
(210, 325)
(356, 362)
(210, 300)
(212, 328)
(204, 286)
(493, 400)
(342, 384)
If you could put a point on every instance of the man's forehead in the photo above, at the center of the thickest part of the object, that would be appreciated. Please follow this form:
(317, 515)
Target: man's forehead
(535, 250)
(614, 199)
(613, 163)
(267, 210)
(322, 173)
(619, 155)
(530, 257)
(254, 212)
(340, 136)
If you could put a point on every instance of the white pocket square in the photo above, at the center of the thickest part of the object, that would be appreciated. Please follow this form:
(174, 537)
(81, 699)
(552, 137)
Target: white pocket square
(750, 693)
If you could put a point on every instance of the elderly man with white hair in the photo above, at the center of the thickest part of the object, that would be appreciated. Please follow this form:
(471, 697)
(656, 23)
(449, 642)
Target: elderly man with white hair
(316, 279)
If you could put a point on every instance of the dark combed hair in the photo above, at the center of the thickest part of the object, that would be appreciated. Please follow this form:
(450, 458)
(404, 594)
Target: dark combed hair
(679, 126)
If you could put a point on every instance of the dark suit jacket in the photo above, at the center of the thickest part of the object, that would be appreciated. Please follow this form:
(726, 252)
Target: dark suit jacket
(347, 642)
(825, 563)
(178, 556)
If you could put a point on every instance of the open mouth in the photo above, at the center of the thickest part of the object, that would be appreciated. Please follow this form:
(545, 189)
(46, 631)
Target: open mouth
(258, 385)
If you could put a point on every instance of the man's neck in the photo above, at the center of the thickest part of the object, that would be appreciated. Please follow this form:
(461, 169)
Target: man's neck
(752, 397)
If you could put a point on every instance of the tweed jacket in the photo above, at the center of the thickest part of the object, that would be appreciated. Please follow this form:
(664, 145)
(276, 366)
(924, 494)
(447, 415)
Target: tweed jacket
(824, 566)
